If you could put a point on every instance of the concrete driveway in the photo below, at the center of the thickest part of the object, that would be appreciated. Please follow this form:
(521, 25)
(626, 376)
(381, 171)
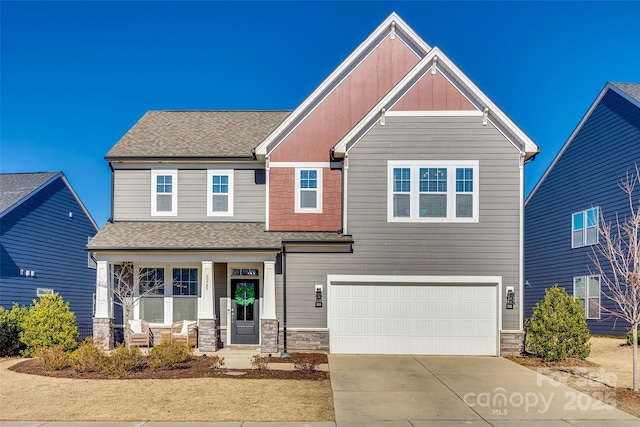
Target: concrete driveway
(456, 391)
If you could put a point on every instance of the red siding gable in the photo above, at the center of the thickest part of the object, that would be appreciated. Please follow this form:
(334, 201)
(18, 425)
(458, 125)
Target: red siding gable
(433, 93)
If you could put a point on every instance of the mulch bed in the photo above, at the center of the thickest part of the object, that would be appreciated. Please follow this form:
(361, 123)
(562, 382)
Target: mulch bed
(531, 361)
(196, 368)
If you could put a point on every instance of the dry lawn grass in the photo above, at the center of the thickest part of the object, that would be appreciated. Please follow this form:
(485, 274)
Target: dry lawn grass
(29, 397)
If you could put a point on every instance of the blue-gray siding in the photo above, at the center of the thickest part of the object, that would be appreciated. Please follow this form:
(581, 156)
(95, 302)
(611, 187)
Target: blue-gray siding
(587, 174)
(40, 235)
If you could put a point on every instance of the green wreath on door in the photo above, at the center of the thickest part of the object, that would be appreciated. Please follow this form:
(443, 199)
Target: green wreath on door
(245, 295)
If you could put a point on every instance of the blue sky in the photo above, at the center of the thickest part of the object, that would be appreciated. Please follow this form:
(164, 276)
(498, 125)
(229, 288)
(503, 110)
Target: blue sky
(75, 76)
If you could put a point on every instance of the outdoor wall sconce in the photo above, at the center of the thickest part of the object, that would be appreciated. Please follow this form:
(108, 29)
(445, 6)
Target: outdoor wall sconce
(319, 296)
(511, 297)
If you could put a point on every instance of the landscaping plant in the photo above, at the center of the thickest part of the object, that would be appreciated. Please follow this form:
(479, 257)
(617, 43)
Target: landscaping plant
(307, 363)
(259, 363)
(49, 322)
(88, 358)
(558, 328)
(169, 355)
(125, 360)
(52, 358)
(10, 329)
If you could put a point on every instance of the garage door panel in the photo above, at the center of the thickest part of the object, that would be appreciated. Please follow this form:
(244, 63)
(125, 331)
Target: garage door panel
(413, 319)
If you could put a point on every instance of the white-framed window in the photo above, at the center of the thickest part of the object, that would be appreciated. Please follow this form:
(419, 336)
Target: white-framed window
(586, 289)
(151, 286)
(584, 227)
(219, 192)
(432, 191)
(308, 191)
(164, 192)
(43, 291)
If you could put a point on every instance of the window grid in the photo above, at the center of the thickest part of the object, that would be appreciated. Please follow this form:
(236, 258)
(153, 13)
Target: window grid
(220, 192)
(586, 289)
(164, 192)
(308, 190)
(185, 282)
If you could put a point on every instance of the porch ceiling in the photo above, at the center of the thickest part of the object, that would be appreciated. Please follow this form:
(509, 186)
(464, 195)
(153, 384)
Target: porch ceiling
(201, 236)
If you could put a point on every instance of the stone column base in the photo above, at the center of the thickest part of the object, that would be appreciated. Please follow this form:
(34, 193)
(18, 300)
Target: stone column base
(269, 337)
(511, 343)
(103, 333)
(207, 335)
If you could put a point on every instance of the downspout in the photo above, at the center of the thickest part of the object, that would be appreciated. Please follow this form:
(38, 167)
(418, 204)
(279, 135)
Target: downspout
(284, 353)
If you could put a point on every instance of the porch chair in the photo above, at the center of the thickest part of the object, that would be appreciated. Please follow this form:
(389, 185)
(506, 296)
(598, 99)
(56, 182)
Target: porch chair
(140, 333)
(185, 330)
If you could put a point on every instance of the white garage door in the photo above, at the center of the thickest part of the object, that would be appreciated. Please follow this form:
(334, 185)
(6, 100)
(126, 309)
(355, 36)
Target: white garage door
(436, 319)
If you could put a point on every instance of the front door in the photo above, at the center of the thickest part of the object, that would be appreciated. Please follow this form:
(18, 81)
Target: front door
(244, 311)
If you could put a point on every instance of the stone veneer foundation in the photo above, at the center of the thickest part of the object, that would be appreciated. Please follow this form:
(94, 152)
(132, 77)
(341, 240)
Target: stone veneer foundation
(511, 343)
(207, 335)
(103, 333)
(304, 339)
(269, 331)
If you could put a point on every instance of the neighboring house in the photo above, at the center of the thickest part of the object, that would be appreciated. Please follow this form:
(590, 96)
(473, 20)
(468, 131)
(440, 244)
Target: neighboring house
(383, 215)
(563, 210)
(44, 228)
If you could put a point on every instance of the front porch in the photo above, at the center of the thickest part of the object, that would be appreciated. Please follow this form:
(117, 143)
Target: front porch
(232, 300)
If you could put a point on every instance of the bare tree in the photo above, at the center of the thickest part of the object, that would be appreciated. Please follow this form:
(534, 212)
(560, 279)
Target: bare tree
(617, 259)
(131, 283)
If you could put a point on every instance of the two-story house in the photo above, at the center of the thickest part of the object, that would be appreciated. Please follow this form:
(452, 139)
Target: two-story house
(580, 187)
(44, 228)
(383, 215)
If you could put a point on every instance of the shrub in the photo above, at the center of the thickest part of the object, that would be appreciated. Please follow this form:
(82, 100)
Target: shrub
(307, 363)
(88, 358)
(216, 362)
(558, 328)
(52, 358)
(259, 363)
(169, 355)
(10, 344)
(630, 337)
(124, 361)
(49, 322)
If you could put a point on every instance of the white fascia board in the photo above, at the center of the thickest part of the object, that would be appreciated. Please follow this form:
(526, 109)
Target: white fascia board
(401, 26)
(575, 132)
(404, 86)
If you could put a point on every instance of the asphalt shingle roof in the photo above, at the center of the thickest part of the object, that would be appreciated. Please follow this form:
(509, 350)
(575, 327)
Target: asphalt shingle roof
(16, 186)
(200, 236)
(631, 89)
(197, 134)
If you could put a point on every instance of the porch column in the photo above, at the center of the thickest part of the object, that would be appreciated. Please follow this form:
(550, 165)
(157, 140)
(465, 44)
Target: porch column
(269, 322)
(103, 318)
(207, 333)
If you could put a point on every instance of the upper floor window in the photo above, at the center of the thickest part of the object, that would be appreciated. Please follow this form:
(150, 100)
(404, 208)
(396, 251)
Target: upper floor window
(586, 289)
(585, 227)
(308, 191)
(220, 193)
(164, 192)
(432, 191)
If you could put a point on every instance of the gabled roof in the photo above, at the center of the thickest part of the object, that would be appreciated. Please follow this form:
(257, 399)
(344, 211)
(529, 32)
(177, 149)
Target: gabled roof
(436, 58)
(196, 134)
(16, 188)
(199, 236)
(629, 91)
(392, 24)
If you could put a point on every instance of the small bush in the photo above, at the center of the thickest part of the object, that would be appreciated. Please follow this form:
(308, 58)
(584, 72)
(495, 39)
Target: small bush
(630, 337)
(216, 362)
(259, 363)
(49, 322)
(558, 328)
(52, 358)
(10, 329)
(88, 358)
(169, 355)
(124, 361)
(307, 363)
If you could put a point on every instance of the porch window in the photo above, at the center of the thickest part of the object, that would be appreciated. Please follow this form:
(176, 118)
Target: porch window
(164, 192)
(151, 289)
(185, 294)
(220, 193)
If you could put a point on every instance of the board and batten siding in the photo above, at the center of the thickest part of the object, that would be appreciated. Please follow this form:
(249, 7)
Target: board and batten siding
(487, 248)
(41, 235)
(587, 175)
(132, 196)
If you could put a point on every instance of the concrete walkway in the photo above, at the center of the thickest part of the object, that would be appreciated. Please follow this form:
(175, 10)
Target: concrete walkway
(456, 391)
